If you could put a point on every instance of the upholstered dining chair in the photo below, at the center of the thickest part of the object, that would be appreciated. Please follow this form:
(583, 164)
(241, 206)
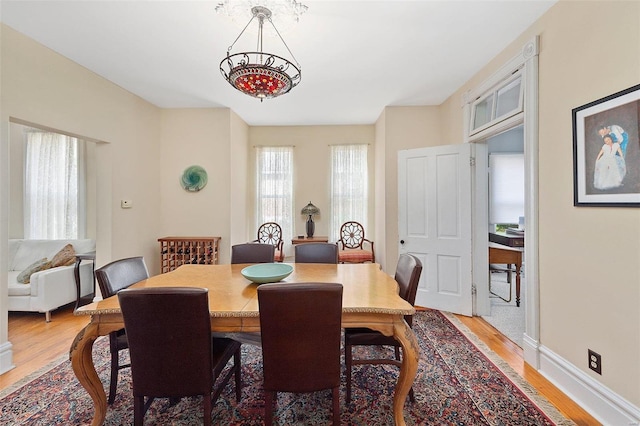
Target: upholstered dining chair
(112, 278)
(301, 331)
(171, 349)
(316, 253)
(252, 253)
(271, 233)
(352, 244)
(408, 271)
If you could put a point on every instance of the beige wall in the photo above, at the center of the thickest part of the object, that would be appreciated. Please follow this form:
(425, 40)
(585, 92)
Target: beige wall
(589, 279)
(44, 88)
(311, 168)
(197, 137)
(589, 275)
(404, 128)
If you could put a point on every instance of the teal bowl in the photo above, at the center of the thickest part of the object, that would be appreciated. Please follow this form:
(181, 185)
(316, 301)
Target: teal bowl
(263, 273)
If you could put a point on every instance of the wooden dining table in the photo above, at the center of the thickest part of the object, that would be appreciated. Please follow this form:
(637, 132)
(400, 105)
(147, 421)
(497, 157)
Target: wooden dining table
(370, 299)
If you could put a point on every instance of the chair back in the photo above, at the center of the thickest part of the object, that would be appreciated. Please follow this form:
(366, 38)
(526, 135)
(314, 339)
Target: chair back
(169, 333)
(252, 253)
(352, 235)
(408, 271)
(270, 233)
(301, 331)
(316, 253)
(121, 274)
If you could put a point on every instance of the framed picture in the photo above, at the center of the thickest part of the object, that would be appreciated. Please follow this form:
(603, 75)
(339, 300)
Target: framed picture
(606, 151)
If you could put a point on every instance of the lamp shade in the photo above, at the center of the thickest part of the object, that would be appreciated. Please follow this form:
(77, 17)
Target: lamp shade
(310, 210)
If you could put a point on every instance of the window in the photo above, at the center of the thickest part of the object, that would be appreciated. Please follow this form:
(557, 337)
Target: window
(274, 171)
(498, 104)
(349, 186)
(506, 188)
(54, 200)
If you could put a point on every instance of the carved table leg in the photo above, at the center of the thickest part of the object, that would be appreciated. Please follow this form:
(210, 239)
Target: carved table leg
(410, 355)
(82, 363)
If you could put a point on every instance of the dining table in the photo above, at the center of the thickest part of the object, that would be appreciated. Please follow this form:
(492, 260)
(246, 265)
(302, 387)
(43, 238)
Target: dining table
(370, 299)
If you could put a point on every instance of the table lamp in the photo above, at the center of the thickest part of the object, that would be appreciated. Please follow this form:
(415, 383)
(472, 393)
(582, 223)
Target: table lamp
(310, 210)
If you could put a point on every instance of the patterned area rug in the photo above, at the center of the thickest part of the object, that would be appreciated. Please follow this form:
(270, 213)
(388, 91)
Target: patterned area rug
(459, 382)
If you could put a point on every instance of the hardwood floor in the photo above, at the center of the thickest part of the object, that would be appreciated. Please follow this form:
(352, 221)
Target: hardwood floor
(37, 343)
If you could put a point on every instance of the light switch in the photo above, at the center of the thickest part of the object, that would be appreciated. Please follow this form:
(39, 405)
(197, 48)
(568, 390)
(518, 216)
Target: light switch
(126, 204)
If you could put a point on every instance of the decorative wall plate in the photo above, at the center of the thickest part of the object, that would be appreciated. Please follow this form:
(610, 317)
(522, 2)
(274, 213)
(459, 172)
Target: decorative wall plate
(193, 178)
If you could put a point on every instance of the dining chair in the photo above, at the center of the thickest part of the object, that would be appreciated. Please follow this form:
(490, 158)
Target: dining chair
(112, 278)
(271, 233)
(171, 349)
(408, 271)
(316, 253)
(252, 253)
(301, 332)
(352, 244)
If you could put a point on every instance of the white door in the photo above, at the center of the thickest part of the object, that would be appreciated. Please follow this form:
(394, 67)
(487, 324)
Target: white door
(434, 214)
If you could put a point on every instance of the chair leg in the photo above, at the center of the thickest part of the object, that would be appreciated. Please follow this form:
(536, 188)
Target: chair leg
(348, 361)
(335, 393)
(138, 410)
(113, 381)
(268, 407)
(237, 365)
(207, 409)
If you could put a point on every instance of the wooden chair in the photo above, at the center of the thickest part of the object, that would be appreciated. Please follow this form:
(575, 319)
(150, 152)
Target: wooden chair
(316, 253)
(112, 278)
(301, 329)
(172, 352)
(351, 243)
(252, 253)
(271, 233)
(407, 275)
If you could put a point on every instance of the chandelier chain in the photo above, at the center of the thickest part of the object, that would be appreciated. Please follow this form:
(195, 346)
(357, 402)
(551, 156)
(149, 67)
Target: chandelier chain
(241, 32)
(285, 43)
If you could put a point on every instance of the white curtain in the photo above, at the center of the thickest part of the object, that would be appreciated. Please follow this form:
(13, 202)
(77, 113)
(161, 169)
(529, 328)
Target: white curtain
(52, 202)
(349, 187)
(506, 188)
(274, 176)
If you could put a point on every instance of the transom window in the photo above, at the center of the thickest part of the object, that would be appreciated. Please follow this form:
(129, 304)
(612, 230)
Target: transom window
(503, 101)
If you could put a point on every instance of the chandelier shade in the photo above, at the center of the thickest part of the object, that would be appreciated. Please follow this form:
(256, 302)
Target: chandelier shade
(260, 74)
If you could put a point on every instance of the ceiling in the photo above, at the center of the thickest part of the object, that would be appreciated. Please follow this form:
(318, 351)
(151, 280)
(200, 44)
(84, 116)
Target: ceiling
(357, 57)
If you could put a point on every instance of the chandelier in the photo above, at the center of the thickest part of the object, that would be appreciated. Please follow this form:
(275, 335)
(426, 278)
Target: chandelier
(260, 74)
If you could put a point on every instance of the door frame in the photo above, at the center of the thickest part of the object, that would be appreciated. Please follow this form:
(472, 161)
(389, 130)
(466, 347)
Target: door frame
(527, 60)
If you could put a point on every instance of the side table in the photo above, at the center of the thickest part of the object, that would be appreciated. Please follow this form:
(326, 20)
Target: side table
(305, 240)
(76, 272)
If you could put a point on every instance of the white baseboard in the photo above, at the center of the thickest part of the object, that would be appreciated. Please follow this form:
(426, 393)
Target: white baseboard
(6, 357)
(601, 402)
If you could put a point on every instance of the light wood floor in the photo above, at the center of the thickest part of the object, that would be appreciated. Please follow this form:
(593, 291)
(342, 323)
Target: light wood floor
(37, 343)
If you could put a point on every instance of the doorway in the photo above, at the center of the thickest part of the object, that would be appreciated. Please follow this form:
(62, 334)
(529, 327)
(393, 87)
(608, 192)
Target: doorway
(506, 191)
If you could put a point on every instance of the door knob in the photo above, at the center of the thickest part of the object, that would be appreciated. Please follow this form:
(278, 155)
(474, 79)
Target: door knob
(401, 241)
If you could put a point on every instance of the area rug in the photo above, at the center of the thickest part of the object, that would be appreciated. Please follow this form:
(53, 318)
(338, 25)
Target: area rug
(459, 382)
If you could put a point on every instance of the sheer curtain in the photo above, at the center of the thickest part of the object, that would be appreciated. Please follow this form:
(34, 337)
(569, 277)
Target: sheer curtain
(274, 177)
(52, 202)
(349, 187)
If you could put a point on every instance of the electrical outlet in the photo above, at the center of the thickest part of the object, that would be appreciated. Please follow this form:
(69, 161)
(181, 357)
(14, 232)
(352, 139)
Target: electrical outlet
(595, 362)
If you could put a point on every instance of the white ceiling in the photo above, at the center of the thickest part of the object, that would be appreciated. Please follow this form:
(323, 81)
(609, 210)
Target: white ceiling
(357, 56)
